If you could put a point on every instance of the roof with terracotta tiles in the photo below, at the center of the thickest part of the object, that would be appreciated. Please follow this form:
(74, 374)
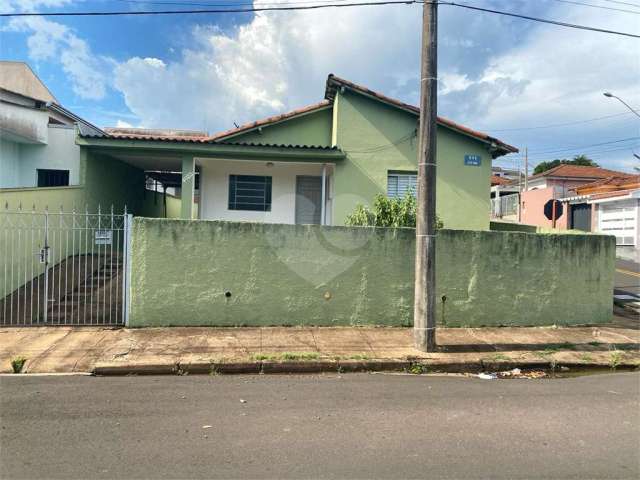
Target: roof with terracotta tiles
(614, 181)
(333, 82)
(189, 136)
(496, 180)
(619, 193)
(271, 120)
(578, 171)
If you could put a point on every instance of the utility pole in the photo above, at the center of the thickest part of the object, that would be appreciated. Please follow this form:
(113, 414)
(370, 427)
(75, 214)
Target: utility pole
(526, 169)
(424, 311)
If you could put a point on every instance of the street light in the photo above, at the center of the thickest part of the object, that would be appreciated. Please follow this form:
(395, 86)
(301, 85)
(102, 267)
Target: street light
(611, 95)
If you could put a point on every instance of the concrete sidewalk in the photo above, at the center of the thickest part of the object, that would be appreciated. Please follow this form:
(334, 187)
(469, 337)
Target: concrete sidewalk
(166, 350)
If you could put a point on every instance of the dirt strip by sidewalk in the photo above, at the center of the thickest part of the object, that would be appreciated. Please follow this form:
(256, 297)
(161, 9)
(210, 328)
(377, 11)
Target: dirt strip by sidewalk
(84, 349)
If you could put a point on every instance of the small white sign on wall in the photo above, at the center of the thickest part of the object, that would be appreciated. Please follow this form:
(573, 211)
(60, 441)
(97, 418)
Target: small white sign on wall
(103, 237)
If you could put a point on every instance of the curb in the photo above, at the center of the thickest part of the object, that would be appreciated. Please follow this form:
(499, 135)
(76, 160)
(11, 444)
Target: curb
(329, 366)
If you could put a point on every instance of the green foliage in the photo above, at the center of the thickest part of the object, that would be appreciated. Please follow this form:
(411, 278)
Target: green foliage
(417, 368)
(17, 364)
(577, 160)
(387, 212)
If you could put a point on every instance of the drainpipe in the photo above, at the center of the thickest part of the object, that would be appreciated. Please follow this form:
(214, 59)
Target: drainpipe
(324, 195)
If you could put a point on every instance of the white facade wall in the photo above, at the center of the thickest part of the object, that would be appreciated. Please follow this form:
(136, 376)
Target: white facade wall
(9, 163)
(22, 124)
(214, 189)
(19, 162)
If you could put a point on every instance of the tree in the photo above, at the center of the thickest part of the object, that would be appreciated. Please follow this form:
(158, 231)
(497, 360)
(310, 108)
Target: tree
(387, 212)
(577, 160)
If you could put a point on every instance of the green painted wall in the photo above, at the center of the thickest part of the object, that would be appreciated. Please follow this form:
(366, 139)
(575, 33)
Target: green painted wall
(312, 275)
(378, 138)
(53, 197)
(310, 129)
(108, 181)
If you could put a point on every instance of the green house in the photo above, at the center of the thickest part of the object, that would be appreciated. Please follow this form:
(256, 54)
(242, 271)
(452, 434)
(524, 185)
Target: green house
(313, 165)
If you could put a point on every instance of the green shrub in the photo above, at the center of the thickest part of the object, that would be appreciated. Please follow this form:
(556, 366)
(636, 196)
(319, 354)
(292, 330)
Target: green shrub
(17, 364)
(387, 212)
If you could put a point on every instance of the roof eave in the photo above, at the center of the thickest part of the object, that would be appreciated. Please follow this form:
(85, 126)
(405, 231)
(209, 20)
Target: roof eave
(334, 83)
(212, 149)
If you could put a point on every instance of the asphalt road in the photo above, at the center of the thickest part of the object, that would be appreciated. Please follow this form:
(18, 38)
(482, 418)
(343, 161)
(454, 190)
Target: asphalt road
(323, 426)
(627, 279)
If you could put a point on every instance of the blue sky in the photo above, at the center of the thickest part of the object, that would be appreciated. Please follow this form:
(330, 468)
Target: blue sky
(506, 76)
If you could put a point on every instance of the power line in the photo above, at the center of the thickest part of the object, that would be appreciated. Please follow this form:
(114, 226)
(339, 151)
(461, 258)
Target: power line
(222, 4)
(554, 125)
(572, 2)
(590, 153)
(115, 13)
(542, 20)
(579, 147)
(637, 5)
(312, 7)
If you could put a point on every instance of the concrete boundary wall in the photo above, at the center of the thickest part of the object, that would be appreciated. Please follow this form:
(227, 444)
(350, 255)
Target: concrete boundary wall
(225, 273)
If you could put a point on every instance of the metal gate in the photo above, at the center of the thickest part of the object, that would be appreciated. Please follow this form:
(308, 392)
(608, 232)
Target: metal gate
(60, 268)
(581, 217)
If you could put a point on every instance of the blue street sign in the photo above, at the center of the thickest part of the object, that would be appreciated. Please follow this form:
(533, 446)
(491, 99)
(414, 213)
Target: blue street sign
(473, 160)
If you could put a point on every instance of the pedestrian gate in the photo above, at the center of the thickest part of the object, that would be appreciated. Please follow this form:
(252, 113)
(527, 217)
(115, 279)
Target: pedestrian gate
(64, 268)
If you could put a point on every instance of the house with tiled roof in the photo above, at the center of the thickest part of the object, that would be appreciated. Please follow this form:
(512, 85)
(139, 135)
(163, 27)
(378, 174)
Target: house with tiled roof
(37, 134)
(312, 165)
(611, 206)
(591, 199)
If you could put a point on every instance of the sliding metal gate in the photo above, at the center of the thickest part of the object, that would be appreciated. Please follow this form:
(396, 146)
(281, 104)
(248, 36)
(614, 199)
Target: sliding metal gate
(59, 268)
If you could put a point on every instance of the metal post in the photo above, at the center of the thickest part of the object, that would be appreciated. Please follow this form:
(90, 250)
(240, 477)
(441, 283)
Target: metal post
(126, 282)
(46, 264)
(424, 321)
(323, 207)
(526, 169)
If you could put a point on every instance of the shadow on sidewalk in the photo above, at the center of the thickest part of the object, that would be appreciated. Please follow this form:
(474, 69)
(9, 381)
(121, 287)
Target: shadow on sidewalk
(545, 347)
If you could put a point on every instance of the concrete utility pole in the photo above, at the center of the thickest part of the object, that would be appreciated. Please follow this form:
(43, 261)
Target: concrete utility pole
(424, 311)
(526, 169)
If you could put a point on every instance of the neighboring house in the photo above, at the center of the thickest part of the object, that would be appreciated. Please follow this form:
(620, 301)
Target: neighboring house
(505, 197)
(37, 135)
(506, 173)
(554, 184)
(42, 166)
(609, 206)
(313, 165)
(497, 180)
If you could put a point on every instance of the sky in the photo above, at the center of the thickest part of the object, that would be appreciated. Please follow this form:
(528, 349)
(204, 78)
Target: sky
(529, 84)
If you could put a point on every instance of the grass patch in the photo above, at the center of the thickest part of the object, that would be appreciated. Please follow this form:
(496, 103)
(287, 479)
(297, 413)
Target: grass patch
(615, 359)
(287, 356)
(499, 357)
(545, 353)
(595, 344)
(17, 364)
(585, 357)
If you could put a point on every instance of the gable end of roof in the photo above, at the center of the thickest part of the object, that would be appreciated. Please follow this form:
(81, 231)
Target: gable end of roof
(334, 83)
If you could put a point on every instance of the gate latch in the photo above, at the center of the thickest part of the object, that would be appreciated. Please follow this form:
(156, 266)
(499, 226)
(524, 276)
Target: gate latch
(43, 255)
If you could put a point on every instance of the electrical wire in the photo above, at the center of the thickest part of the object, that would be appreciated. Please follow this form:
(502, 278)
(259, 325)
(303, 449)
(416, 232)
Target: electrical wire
(313, 7)
(541, 20)
(578, 147)
(555, 125)
(637, 5)
(115, 13)
(573, 2)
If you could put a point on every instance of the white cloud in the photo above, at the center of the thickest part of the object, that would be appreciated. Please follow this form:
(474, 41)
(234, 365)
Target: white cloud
(123, 124)
(53, 41)
(495, 72)
(275, 62)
